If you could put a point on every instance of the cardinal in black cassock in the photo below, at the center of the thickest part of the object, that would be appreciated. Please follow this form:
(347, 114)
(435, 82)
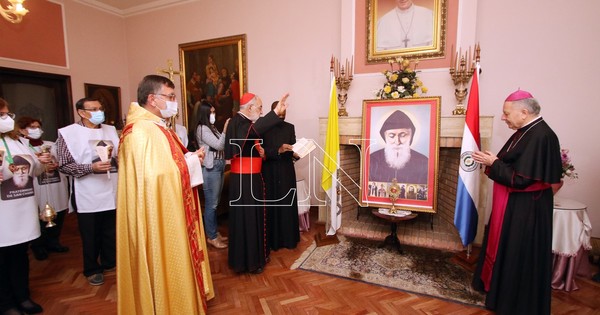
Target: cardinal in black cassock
(248, 249)
(283, 230)
(515, 264)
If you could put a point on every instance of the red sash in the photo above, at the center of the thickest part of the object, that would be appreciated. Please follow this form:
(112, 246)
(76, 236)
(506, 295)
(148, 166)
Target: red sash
(246, 165)
(499, 201)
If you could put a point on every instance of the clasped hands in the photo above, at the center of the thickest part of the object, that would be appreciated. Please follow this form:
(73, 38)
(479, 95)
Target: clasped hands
(484, 157)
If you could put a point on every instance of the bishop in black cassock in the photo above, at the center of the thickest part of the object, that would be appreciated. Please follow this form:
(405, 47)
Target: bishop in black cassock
(515, 264)
(248, 249)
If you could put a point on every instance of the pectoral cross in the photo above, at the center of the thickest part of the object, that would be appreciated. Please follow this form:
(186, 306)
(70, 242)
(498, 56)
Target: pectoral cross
(405, 40)
(170, 71)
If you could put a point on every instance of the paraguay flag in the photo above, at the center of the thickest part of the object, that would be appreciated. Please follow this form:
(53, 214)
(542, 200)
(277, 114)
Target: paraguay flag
(467, 190)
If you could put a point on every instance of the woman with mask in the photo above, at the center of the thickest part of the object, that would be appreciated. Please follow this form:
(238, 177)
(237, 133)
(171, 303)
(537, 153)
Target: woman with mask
(19, 224)
(51, 188)
(213, 166)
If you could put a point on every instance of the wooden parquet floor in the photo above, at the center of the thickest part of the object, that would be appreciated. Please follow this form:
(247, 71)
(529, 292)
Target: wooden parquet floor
(59, 286)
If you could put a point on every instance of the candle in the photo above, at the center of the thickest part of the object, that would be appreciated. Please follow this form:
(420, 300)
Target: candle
(352, 67)
(452, 61)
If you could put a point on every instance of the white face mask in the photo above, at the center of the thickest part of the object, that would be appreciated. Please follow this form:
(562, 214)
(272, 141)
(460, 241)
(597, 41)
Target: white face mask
(170, 111)
(212, 118)
(7, 124)
(34, 133)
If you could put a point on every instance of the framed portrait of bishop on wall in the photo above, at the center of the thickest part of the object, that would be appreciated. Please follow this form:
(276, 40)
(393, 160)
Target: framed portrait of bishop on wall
(399, 149)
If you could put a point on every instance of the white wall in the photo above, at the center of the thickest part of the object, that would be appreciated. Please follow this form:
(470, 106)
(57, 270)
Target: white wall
(290, 44)
(542, 46)
(550, 49)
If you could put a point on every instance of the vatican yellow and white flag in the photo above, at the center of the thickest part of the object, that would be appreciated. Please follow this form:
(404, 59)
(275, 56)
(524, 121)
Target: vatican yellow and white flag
(331, 162)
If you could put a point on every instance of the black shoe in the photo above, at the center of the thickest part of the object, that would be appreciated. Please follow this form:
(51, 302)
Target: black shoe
(40, 253)
(57, 248)
(12, 311)
(30, 307)
(257, 271)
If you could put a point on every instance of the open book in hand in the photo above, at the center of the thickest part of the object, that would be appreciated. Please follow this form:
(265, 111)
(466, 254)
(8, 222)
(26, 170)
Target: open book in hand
(303, 147)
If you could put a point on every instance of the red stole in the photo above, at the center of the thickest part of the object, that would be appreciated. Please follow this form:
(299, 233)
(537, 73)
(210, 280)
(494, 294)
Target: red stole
(499, 202)
(190, 200)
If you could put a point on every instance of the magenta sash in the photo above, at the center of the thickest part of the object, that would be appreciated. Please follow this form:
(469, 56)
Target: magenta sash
(499, 201)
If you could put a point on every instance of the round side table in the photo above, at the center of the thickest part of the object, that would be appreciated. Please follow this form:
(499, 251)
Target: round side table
(392, 239)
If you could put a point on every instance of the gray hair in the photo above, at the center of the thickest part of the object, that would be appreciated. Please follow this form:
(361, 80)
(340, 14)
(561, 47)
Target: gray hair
(530, 104)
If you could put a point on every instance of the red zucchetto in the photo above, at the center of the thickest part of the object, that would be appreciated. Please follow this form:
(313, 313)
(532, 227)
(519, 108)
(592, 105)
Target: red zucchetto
(246, 98)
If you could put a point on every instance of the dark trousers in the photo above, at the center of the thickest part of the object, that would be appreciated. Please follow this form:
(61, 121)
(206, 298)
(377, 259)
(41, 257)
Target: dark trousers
(98, 240)
(50, 236)
(14, 275)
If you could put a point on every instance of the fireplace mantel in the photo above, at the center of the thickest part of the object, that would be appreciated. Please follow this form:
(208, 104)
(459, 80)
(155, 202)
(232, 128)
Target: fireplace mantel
(451, 132)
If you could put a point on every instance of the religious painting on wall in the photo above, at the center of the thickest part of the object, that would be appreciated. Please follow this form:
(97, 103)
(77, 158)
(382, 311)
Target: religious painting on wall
(214, 71)
(110, 98)
(400, 145)
(405, 28)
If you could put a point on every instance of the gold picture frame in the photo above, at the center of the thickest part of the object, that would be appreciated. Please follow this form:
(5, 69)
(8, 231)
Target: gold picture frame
(385, 40)
(227, 53)
(416, 178)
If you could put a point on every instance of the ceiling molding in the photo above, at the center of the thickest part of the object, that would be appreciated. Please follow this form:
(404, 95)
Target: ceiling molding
(128, 8)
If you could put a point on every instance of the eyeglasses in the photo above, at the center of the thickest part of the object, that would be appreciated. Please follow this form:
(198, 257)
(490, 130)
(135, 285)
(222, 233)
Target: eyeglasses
(100, 109)
(171, 97)
(7, 114)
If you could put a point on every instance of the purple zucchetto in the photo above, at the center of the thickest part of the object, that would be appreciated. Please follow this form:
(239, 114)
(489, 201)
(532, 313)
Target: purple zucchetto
(518, 95)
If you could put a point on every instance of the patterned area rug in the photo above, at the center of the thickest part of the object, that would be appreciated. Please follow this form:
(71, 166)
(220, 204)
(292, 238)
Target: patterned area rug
(418, 270)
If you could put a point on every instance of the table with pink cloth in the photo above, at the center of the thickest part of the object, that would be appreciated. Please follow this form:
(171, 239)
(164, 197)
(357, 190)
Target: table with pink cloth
(303, 205)
(571, 234)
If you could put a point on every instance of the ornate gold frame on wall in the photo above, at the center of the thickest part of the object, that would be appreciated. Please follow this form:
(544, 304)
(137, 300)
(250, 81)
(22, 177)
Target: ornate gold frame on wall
(436, 50)
(229, 52)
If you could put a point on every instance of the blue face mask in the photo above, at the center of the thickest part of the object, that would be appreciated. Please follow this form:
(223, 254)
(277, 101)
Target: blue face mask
(97, 117)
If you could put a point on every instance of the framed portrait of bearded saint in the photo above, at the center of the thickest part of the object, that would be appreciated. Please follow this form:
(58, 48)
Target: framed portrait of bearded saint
(399, 149)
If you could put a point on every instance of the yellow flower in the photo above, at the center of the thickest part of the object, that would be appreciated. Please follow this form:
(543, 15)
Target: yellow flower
(405, 80)
(424, 89)
(395, 94)
(393, 77)
(387, 88)
(419, 83)
(416, 95)
(405, 63)
(409, 70)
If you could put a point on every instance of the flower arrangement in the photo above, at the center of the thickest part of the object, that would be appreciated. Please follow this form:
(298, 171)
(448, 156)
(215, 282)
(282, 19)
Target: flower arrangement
(568, 169)
(403, 82)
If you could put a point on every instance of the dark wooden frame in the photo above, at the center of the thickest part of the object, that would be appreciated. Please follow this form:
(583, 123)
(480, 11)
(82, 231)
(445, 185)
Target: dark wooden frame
(110, 98)
(20, 88)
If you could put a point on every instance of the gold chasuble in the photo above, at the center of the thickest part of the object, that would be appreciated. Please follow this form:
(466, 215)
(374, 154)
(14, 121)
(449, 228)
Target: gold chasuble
(161, 247)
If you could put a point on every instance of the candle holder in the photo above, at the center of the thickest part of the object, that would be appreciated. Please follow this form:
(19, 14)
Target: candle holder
(343, 78)
(461, 72)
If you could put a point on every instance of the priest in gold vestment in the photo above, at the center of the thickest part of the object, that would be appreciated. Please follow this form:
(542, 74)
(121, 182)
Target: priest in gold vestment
(162, 262)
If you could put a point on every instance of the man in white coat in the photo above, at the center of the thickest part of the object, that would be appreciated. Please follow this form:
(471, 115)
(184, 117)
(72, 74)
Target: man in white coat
(84, 155)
